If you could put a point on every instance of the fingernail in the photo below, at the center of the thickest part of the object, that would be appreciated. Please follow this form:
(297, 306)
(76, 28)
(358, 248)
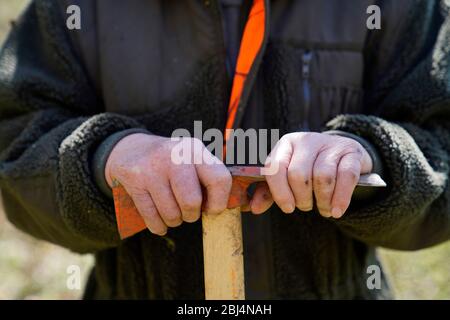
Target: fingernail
(304, 210)
(289, 208)
(336, 212)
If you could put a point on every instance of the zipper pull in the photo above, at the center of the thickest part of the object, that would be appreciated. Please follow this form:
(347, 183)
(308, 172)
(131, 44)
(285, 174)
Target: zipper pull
(306, 62)
(306, 59)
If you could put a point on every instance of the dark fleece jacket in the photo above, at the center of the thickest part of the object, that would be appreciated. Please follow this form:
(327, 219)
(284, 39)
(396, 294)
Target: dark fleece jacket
(52, 121)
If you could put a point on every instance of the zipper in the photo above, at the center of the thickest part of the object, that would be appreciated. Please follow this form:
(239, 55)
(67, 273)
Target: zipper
(306, 81)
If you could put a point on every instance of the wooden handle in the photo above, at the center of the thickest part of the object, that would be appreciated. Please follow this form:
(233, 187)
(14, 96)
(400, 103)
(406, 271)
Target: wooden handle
(223, 256)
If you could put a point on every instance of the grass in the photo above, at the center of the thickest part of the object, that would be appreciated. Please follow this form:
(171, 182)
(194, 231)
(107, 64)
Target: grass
(32, 269)
(9, 9)
(423, 274)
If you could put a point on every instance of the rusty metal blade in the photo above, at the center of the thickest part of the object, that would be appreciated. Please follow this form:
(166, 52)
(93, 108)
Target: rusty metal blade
(249, 172)
(366, 180)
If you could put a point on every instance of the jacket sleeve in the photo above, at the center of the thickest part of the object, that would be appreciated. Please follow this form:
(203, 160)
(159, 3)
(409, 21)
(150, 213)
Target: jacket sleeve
(51, 122)
(408, 99)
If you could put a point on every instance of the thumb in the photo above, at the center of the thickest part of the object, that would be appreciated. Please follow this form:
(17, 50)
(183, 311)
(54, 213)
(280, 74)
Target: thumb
(262, 199)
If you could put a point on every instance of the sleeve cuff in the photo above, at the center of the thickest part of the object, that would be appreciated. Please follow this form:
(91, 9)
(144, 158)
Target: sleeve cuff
(101, 157)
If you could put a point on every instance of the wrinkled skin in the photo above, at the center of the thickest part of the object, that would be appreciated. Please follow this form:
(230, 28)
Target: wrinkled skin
(167, 193)
(328, 171)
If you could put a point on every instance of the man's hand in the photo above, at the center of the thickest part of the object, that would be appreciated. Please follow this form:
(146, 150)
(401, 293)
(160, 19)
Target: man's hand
(310, 164)
(166, 193)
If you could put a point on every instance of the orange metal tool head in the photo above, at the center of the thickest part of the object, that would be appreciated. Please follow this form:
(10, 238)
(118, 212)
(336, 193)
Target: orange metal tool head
(130, 222)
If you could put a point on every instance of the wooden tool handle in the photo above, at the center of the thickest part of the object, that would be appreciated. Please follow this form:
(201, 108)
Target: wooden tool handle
(223, 256)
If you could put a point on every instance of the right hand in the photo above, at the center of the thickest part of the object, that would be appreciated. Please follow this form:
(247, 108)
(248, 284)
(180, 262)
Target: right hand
(166, 193)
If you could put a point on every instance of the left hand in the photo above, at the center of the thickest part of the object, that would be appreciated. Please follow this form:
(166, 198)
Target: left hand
(309, 165)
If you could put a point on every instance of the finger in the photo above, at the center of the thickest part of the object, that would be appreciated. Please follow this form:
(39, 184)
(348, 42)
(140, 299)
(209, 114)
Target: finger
(348, 173)
(300, 173)
(278, 181)
(262, 199)
(187, 191)
(165, 202)
(216, 179)
(324, 180)
(147, 209)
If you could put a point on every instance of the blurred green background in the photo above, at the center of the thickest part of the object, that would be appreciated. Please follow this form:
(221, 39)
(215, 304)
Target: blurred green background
(32, 269)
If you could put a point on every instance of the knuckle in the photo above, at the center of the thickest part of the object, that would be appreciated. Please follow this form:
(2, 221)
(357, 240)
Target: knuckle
(135, 175)
(297, 178)
(122, 170)
(351, 173)
(325, 178)
(172, 220)
(308, 136)
(150, 212)
(141, 198)
(353, 147)
(216, 208)
(223, 180)
(191, 204)
(292, 136)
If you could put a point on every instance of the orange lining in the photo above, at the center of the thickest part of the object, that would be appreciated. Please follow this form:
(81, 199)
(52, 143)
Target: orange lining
(251, 44)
